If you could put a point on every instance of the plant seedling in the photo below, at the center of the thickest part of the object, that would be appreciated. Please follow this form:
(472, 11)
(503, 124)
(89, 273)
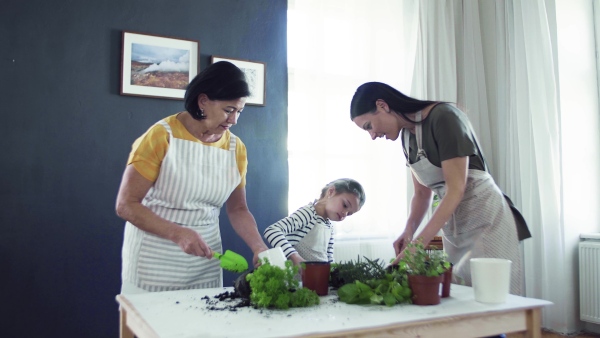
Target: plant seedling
(370, 283)
(419, 261)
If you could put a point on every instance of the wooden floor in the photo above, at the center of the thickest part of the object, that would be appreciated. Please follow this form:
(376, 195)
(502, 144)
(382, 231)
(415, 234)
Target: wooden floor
(555, 335)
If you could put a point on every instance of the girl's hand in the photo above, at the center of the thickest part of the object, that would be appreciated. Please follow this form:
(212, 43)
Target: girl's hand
(297, 260)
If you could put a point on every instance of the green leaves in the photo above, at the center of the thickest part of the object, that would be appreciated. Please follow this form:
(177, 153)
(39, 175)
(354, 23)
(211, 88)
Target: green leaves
(348, 272)
(304, 298)
(390, 289)
(419, 261)
(436, 200)
(356, 293)
(369, 283)
(273, 287)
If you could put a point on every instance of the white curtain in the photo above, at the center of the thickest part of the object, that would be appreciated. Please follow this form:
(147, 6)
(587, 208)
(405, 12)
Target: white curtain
(530, 161)
(501, 70)
(333, 47)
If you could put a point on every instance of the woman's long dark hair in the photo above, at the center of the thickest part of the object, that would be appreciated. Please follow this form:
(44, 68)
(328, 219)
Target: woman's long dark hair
(221, 81)
(366, 96)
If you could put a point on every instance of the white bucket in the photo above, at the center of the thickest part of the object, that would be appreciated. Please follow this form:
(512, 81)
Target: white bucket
(491, 279)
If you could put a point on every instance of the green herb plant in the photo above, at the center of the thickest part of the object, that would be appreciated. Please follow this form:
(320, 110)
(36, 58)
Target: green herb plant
(371, 283)
(347, 272)
(419, 261)
(273, 287)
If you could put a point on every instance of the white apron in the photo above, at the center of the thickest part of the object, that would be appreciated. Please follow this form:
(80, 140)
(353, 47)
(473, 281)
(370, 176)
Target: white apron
(482, 225)
(194, 182)
(313, 246)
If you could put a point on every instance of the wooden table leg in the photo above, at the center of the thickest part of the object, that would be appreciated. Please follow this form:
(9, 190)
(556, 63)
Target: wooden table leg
(534, 323)
(125, 332)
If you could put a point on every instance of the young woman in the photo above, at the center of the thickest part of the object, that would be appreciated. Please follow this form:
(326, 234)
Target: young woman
(442, 152)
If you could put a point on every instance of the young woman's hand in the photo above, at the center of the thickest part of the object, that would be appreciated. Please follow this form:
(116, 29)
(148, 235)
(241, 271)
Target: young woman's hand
(402, 241)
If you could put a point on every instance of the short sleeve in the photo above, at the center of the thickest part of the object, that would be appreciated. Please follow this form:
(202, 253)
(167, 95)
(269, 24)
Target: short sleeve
(148, 152)
(452, 134)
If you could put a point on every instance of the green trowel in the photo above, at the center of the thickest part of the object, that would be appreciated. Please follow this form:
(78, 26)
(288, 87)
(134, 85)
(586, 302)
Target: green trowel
(232, 261)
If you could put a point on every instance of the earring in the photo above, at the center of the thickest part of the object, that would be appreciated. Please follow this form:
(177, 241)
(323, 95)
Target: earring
(201, 112)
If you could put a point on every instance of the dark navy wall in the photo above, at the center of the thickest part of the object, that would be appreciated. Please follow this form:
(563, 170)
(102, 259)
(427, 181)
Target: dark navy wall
(66, 132)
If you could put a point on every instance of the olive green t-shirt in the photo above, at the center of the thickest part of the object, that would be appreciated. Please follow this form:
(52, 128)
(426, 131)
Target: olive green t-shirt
(446, 134)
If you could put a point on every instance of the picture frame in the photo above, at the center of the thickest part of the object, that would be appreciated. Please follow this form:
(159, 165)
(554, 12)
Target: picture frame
(256, 73)
(157, 66)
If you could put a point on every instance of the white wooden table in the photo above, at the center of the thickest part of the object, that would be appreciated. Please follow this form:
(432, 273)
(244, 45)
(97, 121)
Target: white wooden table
(186, 314)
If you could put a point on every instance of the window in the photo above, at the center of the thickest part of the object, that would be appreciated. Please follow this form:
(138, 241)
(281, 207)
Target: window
(333, 47)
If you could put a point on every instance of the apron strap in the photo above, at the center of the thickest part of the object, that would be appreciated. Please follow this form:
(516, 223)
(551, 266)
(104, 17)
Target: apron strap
(419, 135)
(232, 142)
(167, 127)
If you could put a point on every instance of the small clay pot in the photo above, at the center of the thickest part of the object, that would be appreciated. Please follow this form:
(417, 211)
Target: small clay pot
(446, 283)
(316, 277)
(426, 290)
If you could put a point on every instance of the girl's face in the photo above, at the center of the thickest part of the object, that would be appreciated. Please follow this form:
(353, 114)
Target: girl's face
(338, 206)
(382, 122)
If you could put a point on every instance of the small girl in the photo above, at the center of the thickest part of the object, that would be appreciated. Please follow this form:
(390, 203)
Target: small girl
(307, 234)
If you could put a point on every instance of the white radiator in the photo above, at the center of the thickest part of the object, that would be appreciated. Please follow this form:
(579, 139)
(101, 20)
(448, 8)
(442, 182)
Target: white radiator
(589, 280)
(344, 251)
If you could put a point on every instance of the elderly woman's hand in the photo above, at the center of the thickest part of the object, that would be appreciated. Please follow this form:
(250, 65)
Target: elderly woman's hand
(255, 260)
(191, 242)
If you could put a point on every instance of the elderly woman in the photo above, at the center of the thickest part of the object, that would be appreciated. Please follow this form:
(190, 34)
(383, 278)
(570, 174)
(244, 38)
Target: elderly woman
(476, 218)
(178, 175)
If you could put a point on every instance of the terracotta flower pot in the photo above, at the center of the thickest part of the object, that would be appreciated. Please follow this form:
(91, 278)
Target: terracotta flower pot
(426, 290)
(446, 283)
(316, 277)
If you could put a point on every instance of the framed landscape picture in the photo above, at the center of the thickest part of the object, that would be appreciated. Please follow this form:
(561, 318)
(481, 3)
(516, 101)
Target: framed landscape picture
(255, 75)
(157, 66)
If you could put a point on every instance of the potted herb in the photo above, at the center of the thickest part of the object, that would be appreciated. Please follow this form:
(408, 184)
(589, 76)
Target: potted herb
(273, 287)
(362, 270)
(425, 270)
(369, 282)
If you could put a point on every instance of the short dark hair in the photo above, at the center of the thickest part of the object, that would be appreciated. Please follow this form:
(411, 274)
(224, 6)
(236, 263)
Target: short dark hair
(221, 81)
(366, 96)
(348, 185)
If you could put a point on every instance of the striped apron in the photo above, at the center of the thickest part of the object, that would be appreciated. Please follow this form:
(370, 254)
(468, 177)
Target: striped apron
(194, 182)
(482, 225)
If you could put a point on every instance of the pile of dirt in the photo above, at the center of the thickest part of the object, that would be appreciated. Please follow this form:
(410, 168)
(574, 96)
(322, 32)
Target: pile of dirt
(226, 301)
(241, 286)
(232, 301)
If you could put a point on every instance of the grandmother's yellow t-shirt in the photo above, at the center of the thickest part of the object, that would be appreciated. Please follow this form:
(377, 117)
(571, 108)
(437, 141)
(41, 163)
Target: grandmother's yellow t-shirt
(148, 151)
